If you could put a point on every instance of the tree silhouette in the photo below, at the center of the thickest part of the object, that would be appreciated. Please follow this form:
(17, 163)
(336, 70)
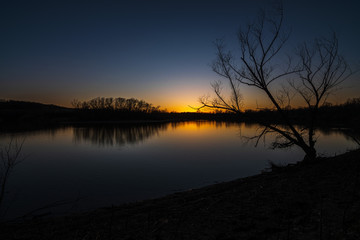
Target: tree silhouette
(116, 104)
(9, 158)
(319, 70)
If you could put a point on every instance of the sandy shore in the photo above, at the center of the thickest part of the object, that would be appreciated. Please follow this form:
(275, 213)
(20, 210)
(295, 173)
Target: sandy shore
(317, 200)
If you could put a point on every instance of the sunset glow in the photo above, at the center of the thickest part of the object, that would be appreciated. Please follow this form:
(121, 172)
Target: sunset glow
(181, 119)
(157, 52)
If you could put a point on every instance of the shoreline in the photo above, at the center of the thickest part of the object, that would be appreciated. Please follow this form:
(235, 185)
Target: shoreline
(315, 200)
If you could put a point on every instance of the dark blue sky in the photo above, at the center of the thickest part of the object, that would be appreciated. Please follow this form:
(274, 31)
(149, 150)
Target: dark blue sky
(159, 51)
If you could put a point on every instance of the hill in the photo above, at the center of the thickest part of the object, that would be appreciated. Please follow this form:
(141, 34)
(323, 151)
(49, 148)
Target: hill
(24, 105)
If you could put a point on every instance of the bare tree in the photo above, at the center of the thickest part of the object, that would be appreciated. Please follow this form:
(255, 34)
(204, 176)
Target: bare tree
(323, 70)
(320, 70)
(232, 104)
(9, 158)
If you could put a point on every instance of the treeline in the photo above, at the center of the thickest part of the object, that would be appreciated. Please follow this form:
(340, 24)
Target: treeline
(17, 114)
(116, 104)
(351, 102)
(345, 114)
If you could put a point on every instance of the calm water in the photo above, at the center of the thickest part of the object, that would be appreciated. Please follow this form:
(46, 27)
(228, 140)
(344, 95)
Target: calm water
(97, 166)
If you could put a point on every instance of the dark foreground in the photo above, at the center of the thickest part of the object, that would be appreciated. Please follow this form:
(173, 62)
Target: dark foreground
(318, 200)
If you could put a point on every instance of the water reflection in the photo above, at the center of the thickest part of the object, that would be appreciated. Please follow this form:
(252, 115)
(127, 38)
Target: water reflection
(351, 135)
(122, 134)
(51, 131)
(204, 124)
(172, 156)
(111, 135)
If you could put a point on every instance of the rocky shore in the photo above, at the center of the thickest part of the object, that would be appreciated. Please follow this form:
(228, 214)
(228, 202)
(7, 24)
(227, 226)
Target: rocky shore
(316, 200)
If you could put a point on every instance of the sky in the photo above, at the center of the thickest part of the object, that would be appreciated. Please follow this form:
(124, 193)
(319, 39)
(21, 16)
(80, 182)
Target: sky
(159, 51)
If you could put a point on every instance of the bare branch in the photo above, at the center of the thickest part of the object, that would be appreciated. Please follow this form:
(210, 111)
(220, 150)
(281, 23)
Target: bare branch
(319, 71)
(9, 158)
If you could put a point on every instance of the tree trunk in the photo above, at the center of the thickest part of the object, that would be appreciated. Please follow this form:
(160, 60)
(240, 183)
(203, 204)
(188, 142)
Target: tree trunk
(310, 154)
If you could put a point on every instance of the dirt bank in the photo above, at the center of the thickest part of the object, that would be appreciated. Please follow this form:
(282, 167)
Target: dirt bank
(318, 200)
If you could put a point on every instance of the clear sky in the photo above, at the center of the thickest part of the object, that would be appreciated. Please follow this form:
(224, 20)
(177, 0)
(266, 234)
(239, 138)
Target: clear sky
(158, 51)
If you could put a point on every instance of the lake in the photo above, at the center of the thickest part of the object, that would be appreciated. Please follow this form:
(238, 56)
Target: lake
(83, 167)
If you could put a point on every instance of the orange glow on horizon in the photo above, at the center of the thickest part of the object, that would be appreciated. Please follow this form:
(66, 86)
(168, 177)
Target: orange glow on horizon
(178, 109)
(179, 99)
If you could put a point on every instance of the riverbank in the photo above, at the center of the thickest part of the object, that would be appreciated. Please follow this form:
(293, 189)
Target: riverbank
(18, 115)
(317, 200)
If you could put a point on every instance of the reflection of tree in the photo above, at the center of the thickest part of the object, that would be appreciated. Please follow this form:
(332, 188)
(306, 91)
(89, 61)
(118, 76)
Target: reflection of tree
(350, 134)
(110, 135)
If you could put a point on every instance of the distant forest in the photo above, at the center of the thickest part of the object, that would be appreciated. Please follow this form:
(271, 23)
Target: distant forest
(341, 115)
(20, 114)
(116, 104)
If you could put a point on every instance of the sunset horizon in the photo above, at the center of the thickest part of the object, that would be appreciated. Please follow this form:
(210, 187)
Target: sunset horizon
(182, 119)
(161, 53)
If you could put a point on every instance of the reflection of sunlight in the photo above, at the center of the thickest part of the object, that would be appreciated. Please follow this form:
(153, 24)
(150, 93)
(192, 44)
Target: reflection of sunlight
(201, 125)
(211, 129)
(329, 142)
(190, 126)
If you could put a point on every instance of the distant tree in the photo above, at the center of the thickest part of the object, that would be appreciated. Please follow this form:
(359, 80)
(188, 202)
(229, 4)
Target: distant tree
(319, 69)
(109, 103)
(353, 101)
(76, 103)
(119, 103)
